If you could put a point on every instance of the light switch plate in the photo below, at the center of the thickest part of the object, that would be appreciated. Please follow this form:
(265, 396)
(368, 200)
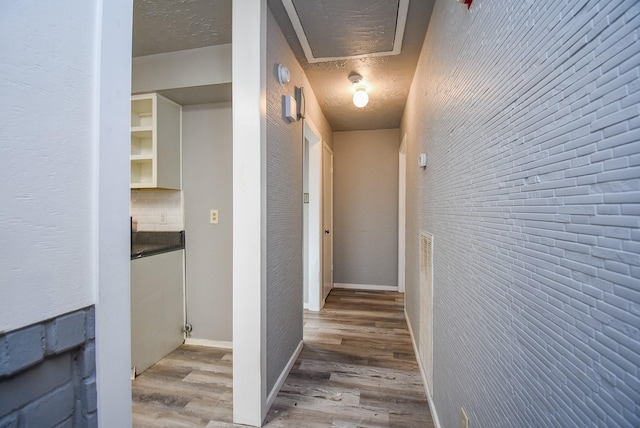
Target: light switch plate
(213, 216)
(163, 217)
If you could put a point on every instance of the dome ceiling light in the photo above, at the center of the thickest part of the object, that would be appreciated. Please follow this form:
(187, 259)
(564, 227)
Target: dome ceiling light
(360, 96)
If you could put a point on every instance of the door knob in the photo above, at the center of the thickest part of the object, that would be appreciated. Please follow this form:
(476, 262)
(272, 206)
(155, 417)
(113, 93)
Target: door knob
(326, 231)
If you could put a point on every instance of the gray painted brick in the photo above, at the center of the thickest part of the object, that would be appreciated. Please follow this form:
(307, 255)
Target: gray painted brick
(49, 410)
(21, 349)
(20, 390)
(87, 360)
(66, 332)
(559, 69)
(10, 421)
(90, 327)
(88, 395)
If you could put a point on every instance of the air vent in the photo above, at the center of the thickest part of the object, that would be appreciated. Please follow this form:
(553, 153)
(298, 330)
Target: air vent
(426, 307)
(331, 30)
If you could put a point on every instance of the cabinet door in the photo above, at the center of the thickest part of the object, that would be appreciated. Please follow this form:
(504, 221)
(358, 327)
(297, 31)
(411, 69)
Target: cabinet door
(169, 153)
(157, 307)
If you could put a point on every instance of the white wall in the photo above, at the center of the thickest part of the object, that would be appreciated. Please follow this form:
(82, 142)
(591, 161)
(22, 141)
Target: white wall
(47, 87)
(193, 67)
(529, 114)
(207, 146)
(366, 207)
(64, 86)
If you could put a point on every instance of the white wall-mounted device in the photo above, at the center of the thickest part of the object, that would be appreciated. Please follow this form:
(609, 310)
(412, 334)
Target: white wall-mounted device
(284, 76)
(422, 160)
(290, 108)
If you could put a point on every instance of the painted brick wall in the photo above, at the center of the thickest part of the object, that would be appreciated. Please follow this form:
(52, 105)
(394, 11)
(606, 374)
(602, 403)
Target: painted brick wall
(284, 205)
(529, 112)
(47, 373)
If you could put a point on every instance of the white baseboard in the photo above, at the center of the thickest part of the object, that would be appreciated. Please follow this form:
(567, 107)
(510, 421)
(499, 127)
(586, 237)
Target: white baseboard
(369, 287)
(305, 306)
(283, 376)
(208, 343)
(432, 405)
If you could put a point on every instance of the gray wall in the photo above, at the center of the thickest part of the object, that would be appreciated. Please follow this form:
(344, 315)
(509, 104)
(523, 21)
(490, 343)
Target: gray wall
(207, 184)
(529, 114)
(366, 207)
(284, 205)
(48, 373)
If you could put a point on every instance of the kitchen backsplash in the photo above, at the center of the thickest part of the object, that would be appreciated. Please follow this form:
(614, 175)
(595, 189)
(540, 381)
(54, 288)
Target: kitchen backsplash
(158, 210)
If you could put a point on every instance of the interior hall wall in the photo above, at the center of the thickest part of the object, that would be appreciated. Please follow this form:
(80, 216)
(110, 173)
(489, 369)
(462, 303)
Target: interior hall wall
(207, 177)
(284, 204)
(529, 113)
(365, 214)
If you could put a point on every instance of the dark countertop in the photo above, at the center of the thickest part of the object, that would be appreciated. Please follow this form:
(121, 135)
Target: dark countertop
(144, 244)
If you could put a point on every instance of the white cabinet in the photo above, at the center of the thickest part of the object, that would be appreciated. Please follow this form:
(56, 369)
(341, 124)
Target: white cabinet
(157, 307)
(156, 142)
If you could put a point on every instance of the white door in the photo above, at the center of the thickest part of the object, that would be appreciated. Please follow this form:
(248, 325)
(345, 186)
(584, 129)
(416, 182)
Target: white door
(327, 221)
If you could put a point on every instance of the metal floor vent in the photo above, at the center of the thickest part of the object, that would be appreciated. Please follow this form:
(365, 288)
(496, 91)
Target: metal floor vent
(426, 307)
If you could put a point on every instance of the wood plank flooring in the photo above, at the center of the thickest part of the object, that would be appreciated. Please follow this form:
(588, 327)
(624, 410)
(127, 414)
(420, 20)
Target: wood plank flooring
(357, 369)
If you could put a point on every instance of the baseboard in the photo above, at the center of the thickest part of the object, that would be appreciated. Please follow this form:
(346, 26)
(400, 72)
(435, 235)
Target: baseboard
(208, 343)
(283, 376)
(432, 406)
(305, 306)
(369, 287)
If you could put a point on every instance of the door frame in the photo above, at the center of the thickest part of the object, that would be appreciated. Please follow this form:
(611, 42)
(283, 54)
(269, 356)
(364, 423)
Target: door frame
(313, 143)
(402, 211)
(322, 295)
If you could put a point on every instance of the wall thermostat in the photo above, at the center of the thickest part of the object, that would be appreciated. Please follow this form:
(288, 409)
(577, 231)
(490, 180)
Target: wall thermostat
(422, 160)
(283, 74)
(290, 108)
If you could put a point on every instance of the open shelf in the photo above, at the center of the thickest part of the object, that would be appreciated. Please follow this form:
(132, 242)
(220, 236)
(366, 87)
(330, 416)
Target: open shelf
(156, 129)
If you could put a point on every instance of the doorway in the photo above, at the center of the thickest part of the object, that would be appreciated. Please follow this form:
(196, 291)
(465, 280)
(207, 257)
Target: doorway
(327, 221)
(402, 210)
(313, 247)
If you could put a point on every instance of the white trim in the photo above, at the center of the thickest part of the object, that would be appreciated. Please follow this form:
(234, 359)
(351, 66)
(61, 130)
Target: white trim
(110, 229)
(249, 50)
(314, 221)
(220, 344)
(366, 287)
(402, 212)
(432, 405)
(305, 306)
(283, 376)
(403, 8)
(331, 230)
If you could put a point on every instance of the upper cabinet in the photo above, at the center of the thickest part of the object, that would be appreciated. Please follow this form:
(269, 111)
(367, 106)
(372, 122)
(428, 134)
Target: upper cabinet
(156, 142)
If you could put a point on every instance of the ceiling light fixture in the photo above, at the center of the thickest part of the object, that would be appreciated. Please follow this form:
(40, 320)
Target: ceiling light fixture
(360, 97)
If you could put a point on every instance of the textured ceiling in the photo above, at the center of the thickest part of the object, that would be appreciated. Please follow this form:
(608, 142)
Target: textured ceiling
(388, 78)
(171, 25)
(338, 28)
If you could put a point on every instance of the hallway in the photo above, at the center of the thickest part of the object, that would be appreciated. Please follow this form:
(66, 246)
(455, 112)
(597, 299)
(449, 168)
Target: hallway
(357, 368)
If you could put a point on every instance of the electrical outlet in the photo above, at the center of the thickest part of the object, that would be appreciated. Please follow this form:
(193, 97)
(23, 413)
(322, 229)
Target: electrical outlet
(163, 217)
(213, 216)
(464, 423)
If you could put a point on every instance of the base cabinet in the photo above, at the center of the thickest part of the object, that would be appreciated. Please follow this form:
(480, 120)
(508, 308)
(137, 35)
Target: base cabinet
(157, 307)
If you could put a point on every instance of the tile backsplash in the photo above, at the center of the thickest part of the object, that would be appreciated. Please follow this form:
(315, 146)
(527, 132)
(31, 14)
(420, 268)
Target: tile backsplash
(148, 207)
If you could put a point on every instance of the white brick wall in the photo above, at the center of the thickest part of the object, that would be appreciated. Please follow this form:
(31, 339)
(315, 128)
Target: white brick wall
(529, 112)
(148, 205)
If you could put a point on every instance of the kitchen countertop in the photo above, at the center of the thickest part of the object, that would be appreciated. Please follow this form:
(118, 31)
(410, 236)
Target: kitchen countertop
(144, 244)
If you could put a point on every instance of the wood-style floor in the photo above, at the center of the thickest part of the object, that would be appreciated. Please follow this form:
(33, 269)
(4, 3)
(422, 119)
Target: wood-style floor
(357, 369)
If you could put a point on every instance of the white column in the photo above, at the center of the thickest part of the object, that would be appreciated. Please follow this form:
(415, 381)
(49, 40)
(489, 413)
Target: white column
(249, 219)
